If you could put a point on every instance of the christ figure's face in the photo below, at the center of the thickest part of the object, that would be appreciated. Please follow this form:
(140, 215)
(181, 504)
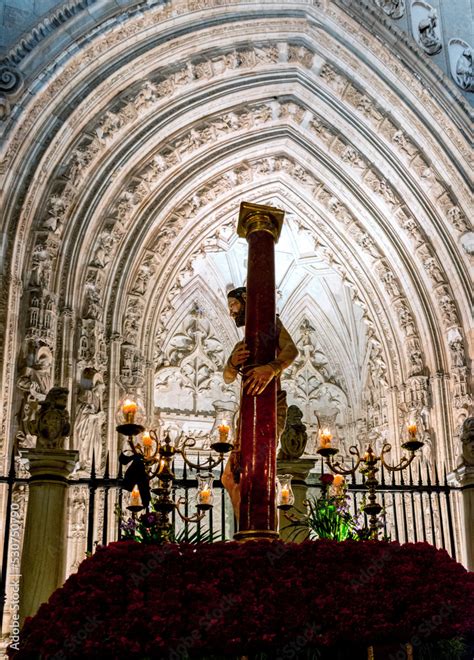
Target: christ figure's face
(237, 311)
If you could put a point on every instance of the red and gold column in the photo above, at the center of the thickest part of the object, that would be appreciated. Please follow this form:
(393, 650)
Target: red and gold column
(261, 226)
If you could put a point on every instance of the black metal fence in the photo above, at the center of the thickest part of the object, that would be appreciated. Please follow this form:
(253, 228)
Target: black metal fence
(417, 507)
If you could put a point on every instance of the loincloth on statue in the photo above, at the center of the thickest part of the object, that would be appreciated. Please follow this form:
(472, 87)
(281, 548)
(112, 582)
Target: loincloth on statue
(281, 410)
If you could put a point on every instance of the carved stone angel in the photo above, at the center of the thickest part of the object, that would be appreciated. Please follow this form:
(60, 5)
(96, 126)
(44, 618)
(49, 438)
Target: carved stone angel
(294, 437)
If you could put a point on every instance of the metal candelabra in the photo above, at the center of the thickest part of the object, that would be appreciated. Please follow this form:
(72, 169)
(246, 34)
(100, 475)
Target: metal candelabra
(153, 459)
(367, 465)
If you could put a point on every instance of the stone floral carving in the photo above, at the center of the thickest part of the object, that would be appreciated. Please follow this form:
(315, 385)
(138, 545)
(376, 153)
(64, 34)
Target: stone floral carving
(192, 362)
(44, 28)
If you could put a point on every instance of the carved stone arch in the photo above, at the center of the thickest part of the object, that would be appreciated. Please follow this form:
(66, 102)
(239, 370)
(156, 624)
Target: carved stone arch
(181, 245)
(341, 70)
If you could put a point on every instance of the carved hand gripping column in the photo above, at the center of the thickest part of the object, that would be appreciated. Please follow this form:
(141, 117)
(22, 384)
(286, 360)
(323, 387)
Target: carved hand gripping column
(261, 226)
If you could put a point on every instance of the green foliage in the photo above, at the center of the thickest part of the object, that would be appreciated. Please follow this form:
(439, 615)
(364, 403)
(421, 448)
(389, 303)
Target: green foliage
(148, 527)
(324, 520)
(328, 516)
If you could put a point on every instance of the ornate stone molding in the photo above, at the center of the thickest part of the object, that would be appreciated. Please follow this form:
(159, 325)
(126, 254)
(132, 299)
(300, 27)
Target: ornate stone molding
(44, 28)
(150, 178)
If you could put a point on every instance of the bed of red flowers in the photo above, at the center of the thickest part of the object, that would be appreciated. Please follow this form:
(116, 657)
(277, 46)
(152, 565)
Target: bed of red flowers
(132, 600)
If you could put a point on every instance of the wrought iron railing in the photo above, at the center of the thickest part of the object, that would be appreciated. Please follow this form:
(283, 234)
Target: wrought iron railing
(418, 507)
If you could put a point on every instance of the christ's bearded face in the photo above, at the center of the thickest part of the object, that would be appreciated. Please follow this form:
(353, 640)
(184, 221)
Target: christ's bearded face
(237, 311)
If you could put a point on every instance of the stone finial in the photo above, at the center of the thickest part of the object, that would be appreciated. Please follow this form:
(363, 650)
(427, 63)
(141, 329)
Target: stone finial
(294, 437)
(52, 425)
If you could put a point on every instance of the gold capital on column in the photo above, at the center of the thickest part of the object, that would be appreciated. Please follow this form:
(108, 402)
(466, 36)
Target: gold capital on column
(258, 217)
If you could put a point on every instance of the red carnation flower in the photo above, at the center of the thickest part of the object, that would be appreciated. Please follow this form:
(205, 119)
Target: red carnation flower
(326, 479)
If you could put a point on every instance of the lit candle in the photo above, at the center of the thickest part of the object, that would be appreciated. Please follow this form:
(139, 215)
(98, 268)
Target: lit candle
(285, 495)
(223, 431)
(129, 408)
(147, 441)
(205, 495)
(325, 438)
(412, 430)
(369, 455)
(135, 500)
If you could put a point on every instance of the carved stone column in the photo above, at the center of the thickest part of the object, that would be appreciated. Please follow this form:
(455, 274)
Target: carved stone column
(261, 226)
(44, 548)
(463, 476)
(299, 468)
